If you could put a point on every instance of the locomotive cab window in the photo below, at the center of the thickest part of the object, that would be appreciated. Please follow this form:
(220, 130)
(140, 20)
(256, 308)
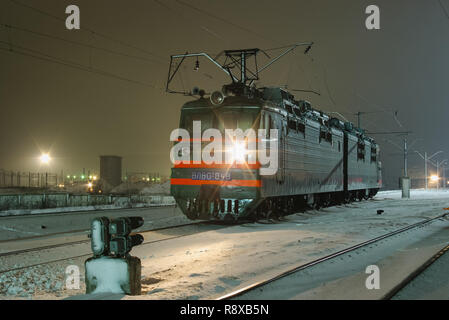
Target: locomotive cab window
(237, 119)
(207, 119)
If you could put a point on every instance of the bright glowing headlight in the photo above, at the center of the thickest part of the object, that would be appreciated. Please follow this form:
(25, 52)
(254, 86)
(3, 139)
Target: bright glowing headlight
(238, 152)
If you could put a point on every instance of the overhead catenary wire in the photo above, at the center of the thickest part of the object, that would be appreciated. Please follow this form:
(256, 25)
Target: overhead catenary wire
(24, 51)
(192, 7)
(180, 14)
(99, 34)
(9, 26)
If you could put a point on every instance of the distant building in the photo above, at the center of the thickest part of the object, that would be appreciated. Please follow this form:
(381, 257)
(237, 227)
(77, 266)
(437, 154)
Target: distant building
(111, 170)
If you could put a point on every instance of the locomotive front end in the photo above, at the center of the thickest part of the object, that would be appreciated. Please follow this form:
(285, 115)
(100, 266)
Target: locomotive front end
(216, 176)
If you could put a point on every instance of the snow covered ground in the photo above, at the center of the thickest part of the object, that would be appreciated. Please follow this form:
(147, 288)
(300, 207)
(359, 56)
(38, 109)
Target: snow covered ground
(432, 284)
(211, 263)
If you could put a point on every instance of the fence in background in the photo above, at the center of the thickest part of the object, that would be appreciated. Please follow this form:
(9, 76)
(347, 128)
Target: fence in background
(60, 200)
(28, 179)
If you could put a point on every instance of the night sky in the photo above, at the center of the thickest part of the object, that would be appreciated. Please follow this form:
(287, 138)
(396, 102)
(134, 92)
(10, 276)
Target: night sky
(116, 103)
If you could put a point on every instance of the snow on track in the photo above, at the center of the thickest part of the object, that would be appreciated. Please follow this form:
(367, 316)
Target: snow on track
(211, 263)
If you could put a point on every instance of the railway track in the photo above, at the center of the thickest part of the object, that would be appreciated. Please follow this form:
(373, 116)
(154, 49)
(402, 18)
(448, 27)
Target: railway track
(415, 274)
(16, 252)
(48, 247)
(261, 284)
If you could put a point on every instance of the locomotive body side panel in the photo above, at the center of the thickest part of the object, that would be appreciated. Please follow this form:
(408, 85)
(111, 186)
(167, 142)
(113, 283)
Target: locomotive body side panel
(312, 165)
(362, 168)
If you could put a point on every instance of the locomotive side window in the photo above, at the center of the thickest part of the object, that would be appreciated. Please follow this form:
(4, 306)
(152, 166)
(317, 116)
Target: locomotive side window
(292, 124)
(326, 136)
(302, 129)
(339, 147)
(373, 154)
(361, 150)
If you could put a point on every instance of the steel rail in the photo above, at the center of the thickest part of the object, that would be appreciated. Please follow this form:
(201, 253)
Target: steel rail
(414, 274)
(301, 267)
(144, 243)
(16, 252)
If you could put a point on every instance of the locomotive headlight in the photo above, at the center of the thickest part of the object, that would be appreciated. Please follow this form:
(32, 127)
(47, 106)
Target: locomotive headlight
(238, 152)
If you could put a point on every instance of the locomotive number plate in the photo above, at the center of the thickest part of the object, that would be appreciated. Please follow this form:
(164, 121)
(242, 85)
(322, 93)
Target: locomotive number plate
(211, 175)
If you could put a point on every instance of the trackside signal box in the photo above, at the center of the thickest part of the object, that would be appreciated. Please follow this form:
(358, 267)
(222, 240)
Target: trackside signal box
(112, 269)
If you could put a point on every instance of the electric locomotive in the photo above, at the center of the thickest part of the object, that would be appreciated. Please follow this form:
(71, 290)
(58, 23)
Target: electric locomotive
(320, 160)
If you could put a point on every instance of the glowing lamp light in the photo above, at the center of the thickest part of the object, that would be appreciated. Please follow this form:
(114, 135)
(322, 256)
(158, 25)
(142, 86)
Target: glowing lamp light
(89, 184)
(238, 152)
(434, 178)
(45, 158)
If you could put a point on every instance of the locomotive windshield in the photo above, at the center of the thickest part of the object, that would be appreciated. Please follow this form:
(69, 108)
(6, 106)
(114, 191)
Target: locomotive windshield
(241, 118)
(206, 117)
(223, 118)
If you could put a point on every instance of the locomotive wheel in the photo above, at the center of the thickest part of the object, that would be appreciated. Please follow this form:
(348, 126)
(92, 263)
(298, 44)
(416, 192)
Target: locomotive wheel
(326, 200)
(361, 195)
(347, 198)
(312, 201)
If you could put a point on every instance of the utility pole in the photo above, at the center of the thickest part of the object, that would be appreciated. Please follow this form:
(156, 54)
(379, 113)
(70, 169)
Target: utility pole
(405, 180)
(405, 156)
(426, 159)
(444, 178)
(438, 172)
(425, 168)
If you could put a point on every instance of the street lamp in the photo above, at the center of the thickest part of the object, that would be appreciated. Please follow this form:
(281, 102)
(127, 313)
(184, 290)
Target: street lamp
(425, 162)
(438, 171)
(434, 178)
(45, 158)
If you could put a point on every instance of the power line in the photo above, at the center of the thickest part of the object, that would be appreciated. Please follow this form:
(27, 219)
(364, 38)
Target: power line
(76, 43)
(187, 19)
(87, 29)
(48, 58)
(222, 20)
